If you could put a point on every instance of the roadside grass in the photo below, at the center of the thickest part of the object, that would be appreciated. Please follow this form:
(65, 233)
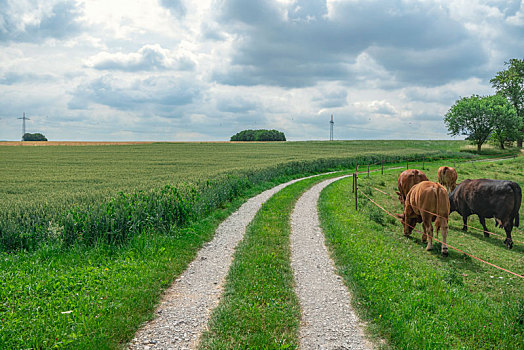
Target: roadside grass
(418, 299)
(96, 297)
(259, 309)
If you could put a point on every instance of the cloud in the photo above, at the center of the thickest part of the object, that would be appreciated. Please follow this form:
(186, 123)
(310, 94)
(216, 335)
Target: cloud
(176, 6)
(12, 78)
(154, 95)
(299, 44)
(149, 57)
(34, 21)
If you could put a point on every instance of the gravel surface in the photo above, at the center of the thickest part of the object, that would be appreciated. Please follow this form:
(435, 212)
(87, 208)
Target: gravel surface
(186, 306)
(328, 320)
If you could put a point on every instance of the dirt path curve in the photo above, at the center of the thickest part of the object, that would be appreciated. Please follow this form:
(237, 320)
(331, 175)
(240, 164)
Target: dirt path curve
(328, 320)
(186, 306)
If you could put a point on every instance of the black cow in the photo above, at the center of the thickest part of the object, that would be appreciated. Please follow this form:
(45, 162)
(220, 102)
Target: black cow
(497, 199)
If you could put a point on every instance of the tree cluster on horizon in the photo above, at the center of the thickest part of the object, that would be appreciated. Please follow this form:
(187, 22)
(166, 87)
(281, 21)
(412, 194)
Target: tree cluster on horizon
(499, 117)
(259, 135)
(33, 137)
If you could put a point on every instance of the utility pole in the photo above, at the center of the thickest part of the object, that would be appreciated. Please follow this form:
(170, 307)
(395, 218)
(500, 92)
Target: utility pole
(23, 125)
(331, 128)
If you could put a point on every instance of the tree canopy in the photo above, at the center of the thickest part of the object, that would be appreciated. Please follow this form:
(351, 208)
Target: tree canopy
(259, 135)
(510, 83)
(479, 117)
(33, 137)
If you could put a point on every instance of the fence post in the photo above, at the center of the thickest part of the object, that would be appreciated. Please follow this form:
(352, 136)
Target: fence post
(423, 162)
(368, 169)
(382, 166)
(356, 189)
(353, 188)
(407, 164)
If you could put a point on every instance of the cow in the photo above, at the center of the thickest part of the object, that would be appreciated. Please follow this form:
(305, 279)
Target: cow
(447, 176)
(487, 198)
(406, 180)
(426, 202)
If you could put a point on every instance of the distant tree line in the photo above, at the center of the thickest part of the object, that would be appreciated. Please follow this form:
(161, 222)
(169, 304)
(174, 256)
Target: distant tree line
(500, 117)
(33, 137)
(259, 135)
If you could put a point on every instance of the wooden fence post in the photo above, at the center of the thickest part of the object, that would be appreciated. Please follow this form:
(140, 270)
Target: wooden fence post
(368, 169)
(423, 162)
(407, 164)
(382, 166)
(356, 189)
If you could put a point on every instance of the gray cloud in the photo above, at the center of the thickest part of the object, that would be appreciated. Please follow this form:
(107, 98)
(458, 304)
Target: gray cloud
(175, 6)
(235, 105)
(11, 78)
(154, 94)
(149, 57)
(59, 21)
(300, 45)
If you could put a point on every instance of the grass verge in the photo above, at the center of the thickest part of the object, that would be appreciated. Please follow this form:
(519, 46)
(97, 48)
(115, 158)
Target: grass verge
(259, 309)
(420, 300)
(96, 297)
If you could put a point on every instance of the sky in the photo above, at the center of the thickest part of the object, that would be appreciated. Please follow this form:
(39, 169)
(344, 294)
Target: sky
(203, 70)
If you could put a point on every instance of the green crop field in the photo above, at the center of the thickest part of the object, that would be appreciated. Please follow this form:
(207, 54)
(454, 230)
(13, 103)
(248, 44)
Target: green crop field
(91, 235)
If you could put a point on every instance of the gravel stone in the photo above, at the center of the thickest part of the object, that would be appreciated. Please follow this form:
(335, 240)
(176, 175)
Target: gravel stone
(328, 320)
(185, 308)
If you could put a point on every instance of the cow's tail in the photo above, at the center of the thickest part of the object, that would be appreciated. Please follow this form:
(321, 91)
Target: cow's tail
(437, 220)
(517, 193)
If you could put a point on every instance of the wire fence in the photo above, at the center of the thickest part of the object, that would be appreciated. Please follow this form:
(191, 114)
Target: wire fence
(355, 188)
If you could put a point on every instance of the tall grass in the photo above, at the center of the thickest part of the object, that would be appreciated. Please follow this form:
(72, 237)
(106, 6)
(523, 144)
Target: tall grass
(116, 219)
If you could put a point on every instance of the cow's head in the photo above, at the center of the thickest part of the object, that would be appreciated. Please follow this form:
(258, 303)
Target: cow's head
(408, 223)
(400, 197)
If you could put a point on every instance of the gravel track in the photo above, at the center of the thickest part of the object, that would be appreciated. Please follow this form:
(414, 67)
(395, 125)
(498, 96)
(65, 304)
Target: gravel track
(328, 320)
(185, 308)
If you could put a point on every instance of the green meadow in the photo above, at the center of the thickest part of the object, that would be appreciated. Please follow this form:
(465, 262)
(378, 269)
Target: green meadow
(90, 236)
(415, 299)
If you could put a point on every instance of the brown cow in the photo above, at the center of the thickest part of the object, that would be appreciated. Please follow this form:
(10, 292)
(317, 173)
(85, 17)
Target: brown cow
(427, 202)
(447, 176)
(406, 180)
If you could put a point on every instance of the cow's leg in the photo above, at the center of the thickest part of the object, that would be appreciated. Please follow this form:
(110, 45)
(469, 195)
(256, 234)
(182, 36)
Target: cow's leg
(428, 230)
(508, 227)
(465, 222)
(483, 223)
(444, 227)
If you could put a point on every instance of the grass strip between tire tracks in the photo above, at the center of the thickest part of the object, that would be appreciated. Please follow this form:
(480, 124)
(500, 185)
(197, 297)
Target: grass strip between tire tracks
(259, 309)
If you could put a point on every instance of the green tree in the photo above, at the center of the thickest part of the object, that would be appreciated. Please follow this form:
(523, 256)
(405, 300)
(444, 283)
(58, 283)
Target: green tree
(33, 137)
(504, 118)
(478, 117)
(510, 83)
(259, 135)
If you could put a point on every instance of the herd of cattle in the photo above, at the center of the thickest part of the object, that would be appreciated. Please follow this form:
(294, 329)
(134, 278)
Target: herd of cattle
(426, 201)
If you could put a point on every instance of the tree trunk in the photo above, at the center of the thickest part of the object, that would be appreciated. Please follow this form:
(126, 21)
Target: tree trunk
(519, 143)
(502, 145)
(479, 145)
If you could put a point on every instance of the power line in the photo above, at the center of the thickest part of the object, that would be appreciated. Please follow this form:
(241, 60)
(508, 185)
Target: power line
(23, 124)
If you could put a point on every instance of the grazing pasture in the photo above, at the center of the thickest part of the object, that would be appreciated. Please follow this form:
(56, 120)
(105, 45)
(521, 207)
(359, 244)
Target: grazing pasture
(60, 287)
(418, 299)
